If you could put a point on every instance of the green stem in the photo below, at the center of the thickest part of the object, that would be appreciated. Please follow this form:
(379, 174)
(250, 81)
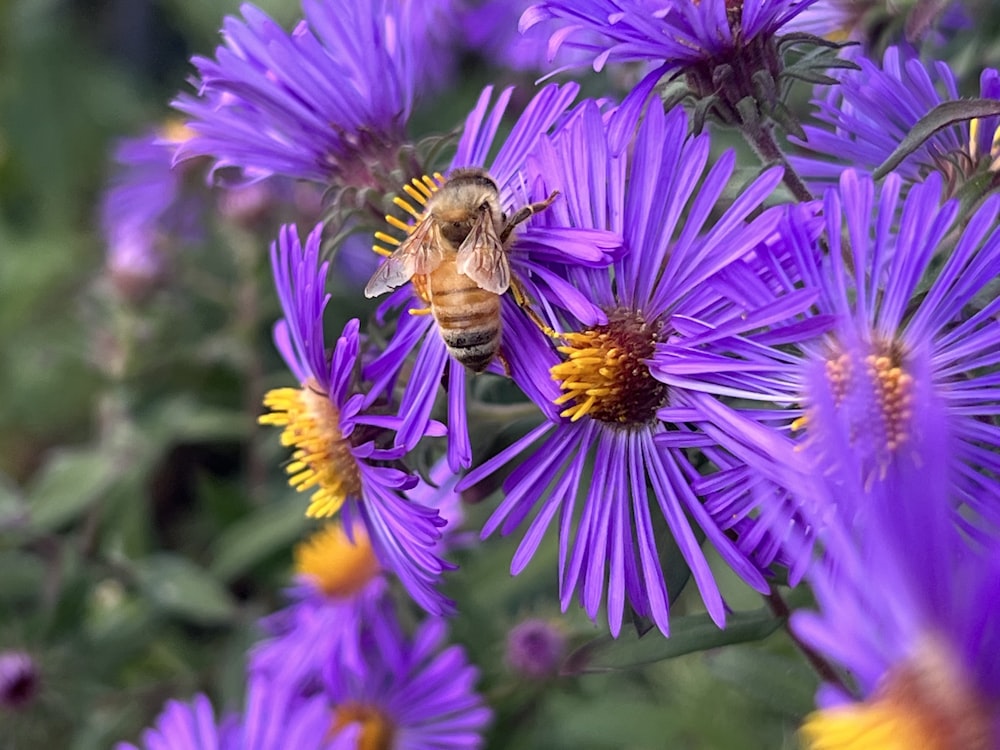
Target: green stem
(821, 666)
(761, 140)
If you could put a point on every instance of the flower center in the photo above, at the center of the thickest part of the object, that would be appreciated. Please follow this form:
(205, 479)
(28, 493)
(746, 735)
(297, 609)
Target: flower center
(925, 703)
(322, 457)
(605, 373)
(376, 730)
(338, 566)
(875, 393)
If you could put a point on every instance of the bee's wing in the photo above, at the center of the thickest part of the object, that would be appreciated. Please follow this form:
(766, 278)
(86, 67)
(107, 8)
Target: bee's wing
(482, 257)
(420, 253)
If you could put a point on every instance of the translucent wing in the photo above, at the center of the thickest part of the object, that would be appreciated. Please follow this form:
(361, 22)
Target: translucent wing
(482, 257)
(420, 253)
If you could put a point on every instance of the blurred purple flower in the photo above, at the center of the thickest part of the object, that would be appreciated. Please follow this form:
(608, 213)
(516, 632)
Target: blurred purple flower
(900, 276)
(19, 680)
(535, 649)
(908, 607)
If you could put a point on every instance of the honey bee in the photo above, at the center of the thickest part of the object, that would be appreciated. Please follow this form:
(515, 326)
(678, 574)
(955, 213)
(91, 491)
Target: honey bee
(456, 256)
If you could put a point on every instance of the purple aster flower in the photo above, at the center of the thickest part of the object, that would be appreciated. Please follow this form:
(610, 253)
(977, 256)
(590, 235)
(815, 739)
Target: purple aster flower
(490, 29)
(144, 208)
(276, 717)
(338, 587)
(186, 726)
(907, 605)
(873, 109)
(339, 431)
(535, 649)
(19, 680)
(864, 20)
(651, 194)
(412, 693)
(531, 250)
(900, 276)
(328, 102)
(709, 41)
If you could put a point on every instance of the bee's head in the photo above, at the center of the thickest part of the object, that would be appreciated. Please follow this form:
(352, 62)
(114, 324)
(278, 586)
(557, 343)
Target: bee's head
(462, 200)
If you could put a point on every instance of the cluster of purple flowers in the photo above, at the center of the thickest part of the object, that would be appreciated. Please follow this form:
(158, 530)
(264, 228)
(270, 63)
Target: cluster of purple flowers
(806, 386)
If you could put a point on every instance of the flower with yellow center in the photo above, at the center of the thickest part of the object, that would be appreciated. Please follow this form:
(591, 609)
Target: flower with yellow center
(406, 692)
(908, 607)
(596, 463)
(338, 565)
(342, 442)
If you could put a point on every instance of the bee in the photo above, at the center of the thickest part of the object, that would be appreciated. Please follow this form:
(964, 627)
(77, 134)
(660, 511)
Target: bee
(456, 256)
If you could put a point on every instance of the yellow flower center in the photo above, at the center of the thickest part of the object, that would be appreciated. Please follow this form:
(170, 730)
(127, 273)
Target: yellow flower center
(338, 566)
(377, 731)
(605, 375)
(322, 457)
(926, 703)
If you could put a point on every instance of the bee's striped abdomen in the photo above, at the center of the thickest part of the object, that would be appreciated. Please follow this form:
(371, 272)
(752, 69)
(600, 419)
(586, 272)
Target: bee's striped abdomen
(467, 317)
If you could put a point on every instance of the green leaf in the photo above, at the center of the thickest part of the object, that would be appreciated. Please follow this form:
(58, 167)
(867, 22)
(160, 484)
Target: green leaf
(21, 577)
(252, 539)
(182, 588)
(943, 115)
(688, 634)
(780, 683)
(68, 485)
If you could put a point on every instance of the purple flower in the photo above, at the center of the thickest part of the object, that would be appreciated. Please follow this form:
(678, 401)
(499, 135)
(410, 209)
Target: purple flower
(707, 41)
(338, 586)
(411, 692)
(19, 680)
(185, 726)
(907, 605)
(490, 29)
(144, 208)
(339, 432)
(531, 250)
(607, 397)
(276, 717)
(873, 109)
(327, 102)
(535, 649)
(862, 20)
(900, 276)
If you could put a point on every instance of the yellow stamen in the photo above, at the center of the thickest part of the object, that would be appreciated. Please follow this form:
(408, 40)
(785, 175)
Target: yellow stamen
(398, 223)
(322, 458)
(408, 207)
(377, 731)
(604, 374)
(339, 567)
(387, 238)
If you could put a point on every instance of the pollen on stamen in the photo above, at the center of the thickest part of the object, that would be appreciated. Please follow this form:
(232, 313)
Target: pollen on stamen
(604, 374)
(377, 731)
(322, 460)
(338, 565)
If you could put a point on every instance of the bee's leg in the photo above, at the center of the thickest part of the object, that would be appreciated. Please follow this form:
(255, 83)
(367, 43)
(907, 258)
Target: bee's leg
(505, 363)
(521, 298)
(525, 213)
